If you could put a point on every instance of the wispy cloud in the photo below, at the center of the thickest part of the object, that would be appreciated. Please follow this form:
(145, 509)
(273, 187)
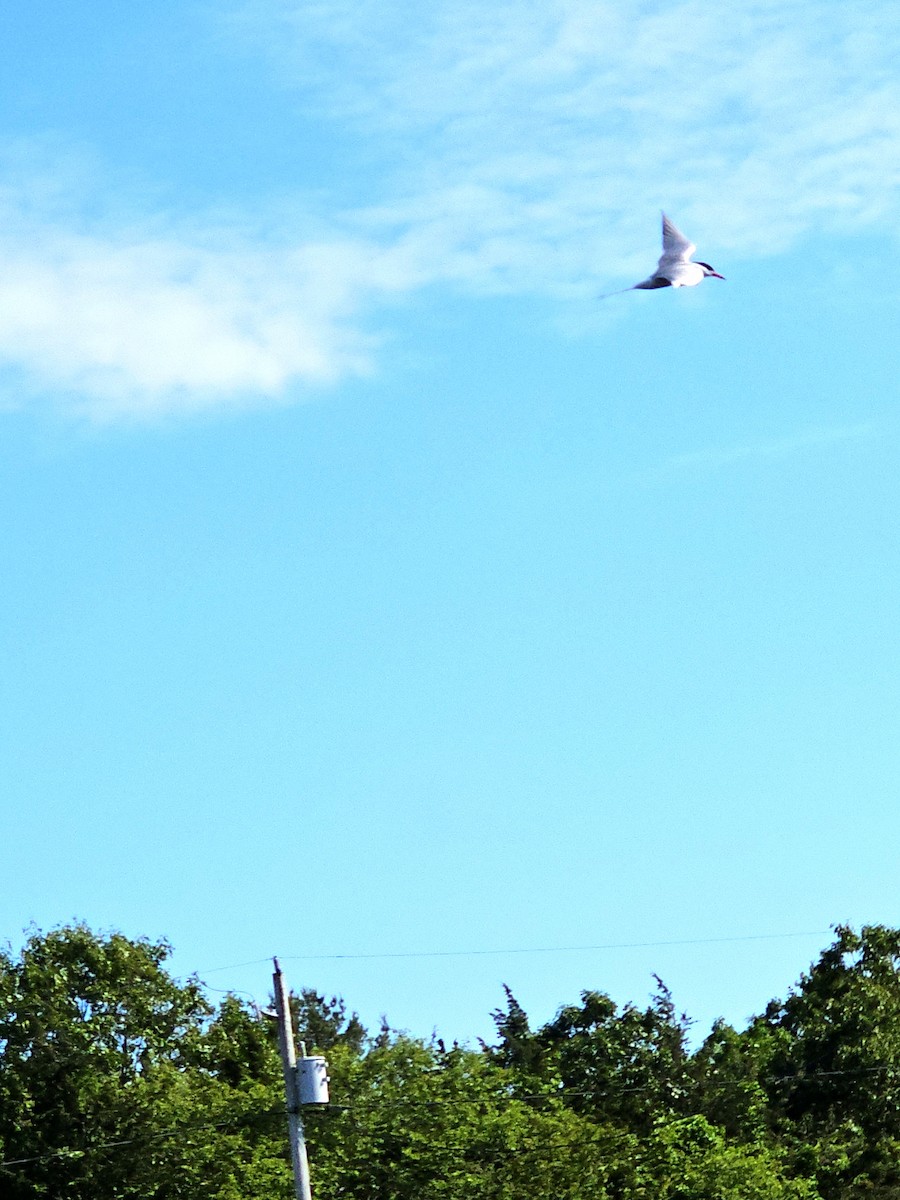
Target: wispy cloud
(517, 147)
(535, 137)
(802, 441)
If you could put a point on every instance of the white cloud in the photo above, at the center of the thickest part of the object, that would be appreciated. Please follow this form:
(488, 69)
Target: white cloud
(130, 323)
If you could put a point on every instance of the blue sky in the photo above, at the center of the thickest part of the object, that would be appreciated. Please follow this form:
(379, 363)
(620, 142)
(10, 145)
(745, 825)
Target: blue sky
(370, 588)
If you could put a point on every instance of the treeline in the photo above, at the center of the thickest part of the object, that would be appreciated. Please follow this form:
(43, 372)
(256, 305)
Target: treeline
(118, 1082)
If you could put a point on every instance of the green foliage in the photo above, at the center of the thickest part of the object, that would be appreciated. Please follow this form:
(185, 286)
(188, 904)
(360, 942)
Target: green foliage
(518, 1047)
(626, 1066)
(428, 1123)
(727, 1073)
(838, 1037)
(691, 1160)
(834, 1063)
(119, 1082)
(112, 1082)
(322, 1024)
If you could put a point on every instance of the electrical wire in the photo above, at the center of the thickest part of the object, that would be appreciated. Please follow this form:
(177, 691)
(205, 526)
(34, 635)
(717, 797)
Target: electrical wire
(611, 1093)
(392, 954)
(158, 1136)
(319, 1113)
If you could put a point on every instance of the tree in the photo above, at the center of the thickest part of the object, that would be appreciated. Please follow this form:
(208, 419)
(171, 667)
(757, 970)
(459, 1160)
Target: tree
(112, 1084)
(834, 1063)
(689, 1159)
(418, 1122)
(728, 1074)
(118, 1082)
(819, 1072)
(621, 1065)
(322, 1024)
(838, 1036)
(518, 1047)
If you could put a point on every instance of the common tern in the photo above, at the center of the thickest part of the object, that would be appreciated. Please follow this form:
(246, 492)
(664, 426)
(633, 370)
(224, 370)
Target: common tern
(674, 268)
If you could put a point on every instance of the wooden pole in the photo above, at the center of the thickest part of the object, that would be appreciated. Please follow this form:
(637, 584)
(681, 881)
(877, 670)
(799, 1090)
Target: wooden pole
(299, 1160)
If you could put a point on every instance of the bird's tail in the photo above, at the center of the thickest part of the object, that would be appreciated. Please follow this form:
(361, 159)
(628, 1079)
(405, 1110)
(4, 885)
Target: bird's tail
(620, 292)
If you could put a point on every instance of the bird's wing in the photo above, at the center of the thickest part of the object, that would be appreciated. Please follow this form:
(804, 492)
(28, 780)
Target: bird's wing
(676, 247)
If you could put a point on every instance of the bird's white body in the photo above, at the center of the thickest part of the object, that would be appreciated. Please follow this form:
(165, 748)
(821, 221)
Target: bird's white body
(683, 274)
(675, 268)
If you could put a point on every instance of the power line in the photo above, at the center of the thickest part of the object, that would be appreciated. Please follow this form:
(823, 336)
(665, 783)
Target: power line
(319, 1114)
(611, 1093)
(143, 1138)
(473, 953)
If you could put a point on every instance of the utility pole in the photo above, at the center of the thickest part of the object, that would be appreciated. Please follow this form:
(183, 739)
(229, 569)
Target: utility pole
(299, 1161)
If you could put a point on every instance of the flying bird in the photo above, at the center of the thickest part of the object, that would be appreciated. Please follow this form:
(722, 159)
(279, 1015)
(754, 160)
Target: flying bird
(674, 268)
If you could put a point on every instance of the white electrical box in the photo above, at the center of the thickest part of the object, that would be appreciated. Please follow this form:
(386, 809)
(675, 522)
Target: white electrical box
(312, 1080)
